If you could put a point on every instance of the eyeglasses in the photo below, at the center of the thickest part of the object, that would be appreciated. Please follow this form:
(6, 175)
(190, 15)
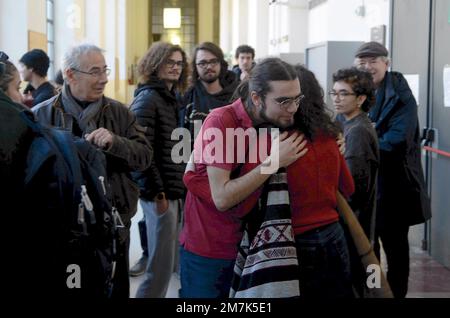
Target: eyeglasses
(341, 94)
(204, 64)
(95, 72)
(172, 63)
(285, 103)
(363, 62)
(3, 57)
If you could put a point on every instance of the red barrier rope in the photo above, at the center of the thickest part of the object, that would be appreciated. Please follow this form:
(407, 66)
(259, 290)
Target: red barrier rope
(440, 152)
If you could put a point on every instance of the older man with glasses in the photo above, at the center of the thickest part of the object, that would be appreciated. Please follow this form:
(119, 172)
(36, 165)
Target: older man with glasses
(402, 196)
(82, 109)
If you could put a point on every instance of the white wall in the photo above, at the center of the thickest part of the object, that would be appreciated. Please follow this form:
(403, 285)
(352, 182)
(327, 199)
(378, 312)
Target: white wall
(239, 25)
(14, 28)
(287, 26)
(93, 14)
(225, 25)
(336, 20)
(270, 29)
(258, 27)
(298, 25)
(318, 24)
(67, 20)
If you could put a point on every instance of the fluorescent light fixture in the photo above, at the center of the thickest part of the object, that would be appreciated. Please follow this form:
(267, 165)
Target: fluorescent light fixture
(175, 39)
(172, 18)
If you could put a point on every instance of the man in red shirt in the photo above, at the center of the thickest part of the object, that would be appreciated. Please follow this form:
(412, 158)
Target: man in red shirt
(214, 207)
(212, 228)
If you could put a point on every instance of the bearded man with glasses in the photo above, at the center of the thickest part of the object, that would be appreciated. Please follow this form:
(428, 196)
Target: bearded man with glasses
(212, 86)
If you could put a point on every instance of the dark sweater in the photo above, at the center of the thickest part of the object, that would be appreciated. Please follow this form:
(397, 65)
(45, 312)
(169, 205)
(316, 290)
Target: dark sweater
(197, 102)
(362, 157)
(42, 93)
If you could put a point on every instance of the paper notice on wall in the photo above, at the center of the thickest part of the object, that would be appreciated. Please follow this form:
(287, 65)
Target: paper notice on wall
(413, 82)
(447, 86)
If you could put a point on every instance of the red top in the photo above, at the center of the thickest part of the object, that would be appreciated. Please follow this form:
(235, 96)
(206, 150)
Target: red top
(313, 181)
(207, 231)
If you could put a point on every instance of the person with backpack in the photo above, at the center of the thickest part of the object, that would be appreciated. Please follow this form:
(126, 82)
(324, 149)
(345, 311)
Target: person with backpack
(10, 79)
(15, 140)
(82, 109)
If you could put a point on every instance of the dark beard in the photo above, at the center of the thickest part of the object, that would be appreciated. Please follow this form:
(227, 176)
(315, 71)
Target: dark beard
(269, 123)
(209, 80)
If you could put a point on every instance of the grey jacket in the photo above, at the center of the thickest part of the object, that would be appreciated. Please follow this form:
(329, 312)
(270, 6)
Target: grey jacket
(129, 151)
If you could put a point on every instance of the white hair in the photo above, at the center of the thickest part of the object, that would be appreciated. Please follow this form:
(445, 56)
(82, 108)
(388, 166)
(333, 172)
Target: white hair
(72, 58)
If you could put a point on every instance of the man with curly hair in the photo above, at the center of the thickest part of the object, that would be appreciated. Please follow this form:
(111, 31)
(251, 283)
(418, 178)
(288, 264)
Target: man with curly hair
(353, 94)
(163, 72)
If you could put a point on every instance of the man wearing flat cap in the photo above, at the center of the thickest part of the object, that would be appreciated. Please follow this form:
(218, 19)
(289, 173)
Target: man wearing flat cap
(402, 200)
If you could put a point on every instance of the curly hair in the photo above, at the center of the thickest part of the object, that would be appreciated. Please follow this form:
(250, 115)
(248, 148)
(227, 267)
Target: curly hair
(7, 75)
(214, 50)
(313, 117)
(361, 82)
(156, 56)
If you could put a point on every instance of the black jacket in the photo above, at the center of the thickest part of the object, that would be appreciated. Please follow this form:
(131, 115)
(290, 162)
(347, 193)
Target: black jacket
(43, 92)
(19, 208)
(156, 109)
(197, 102)
(129, 152)
(236, 70)
(15, 139)
(402, 195)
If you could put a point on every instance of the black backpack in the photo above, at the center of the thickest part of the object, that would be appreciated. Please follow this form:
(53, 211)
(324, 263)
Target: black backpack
(65, 181)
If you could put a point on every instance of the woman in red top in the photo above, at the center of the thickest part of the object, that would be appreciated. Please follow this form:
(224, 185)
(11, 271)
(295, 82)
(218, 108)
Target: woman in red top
(313, 181)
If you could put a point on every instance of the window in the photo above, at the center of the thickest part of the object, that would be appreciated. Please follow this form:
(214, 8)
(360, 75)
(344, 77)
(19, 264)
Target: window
(51, 36)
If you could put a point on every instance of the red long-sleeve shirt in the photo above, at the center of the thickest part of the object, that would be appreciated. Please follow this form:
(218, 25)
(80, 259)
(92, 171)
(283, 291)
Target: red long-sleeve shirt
(313, 181)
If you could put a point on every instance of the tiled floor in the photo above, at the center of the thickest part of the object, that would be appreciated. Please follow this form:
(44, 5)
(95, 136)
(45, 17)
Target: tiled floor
(428, 278)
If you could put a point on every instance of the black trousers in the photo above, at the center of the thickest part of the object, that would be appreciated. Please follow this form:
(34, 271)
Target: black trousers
(396, 246)
(121, 280)
(143, 236)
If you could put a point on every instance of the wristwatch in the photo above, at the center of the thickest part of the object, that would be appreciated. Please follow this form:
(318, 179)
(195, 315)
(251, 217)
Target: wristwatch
(161, 196)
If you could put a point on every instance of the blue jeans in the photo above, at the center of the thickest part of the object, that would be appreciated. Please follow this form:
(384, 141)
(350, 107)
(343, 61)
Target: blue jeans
(324, 270)
(204, 277)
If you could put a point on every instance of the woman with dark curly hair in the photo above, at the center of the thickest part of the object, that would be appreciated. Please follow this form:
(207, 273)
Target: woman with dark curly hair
(353, 94)
(313, 180)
